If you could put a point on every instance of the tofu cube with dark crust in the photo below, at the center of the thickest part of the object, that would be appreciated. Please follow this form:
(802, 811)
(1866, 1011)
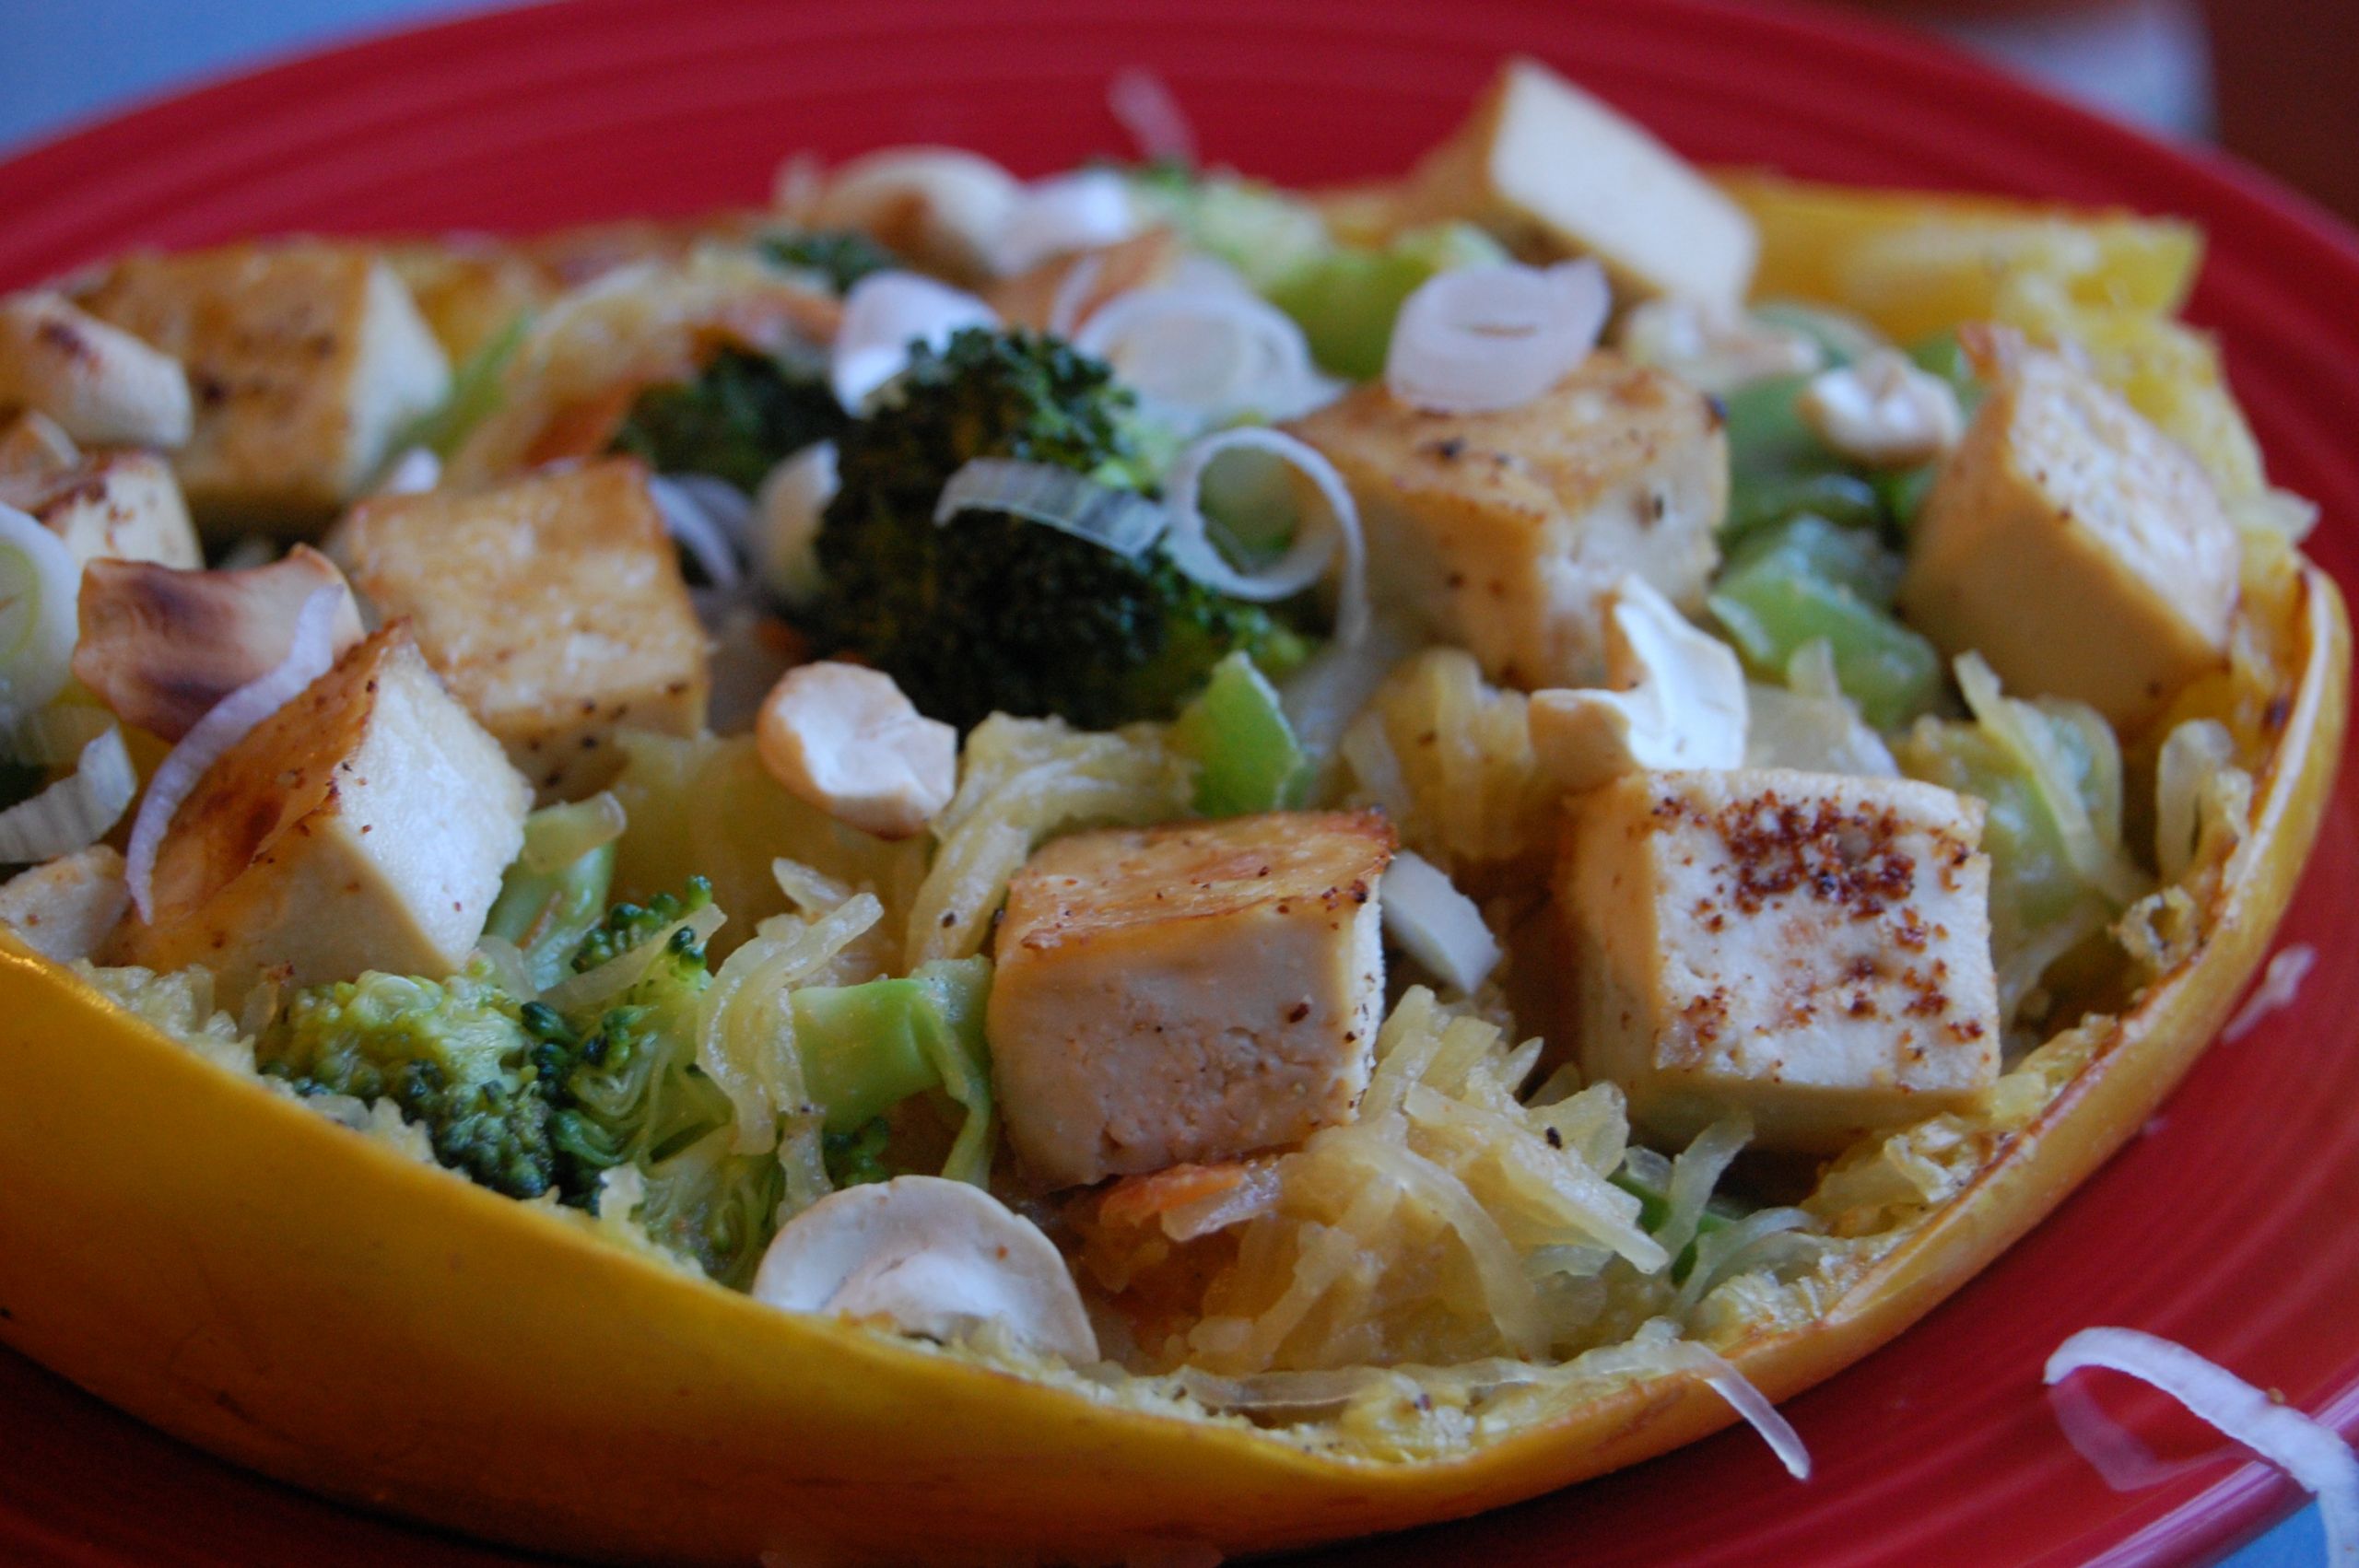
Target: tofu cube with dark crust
(1811, 949)
(306, 359)
(1505, 532)
(364, 826)
(115, 504)
(1191, 992)
(552, 605)
(2077, 548)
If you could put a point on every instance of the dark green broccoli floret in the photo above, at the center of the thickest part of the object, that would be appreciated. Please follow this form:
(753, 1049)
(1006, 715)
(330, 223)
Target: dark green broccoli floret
(840, 255)
(740, 416)
(628, 925)
(993, 613)
(716, 1206)
(857, 1158)
(452, 1055)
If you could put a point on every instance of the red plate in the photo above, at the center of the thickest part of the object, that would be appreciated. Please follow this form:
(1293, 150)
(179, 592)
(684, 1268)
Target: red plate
(2228, 1228)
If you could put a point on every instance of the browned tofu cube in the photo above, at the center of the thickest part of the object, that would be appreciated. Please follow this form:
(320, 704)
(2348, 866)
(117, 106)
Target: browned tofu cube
(364, 826)
(106, 505)
(2081, 552)
(1504, 532)
(306, 360)
(1190, 992)
(554, 606)
(469, 289)
(1810, 949)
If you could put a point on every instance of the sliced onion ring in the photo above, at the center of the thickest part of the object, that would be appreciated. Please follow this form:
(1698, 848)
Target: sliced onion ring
(1474, 340)
(1315, 543)
(2310, 1451)
(883, 314)
(309, 655)
(38, 614)
(75, 811)
(1064, 213)
(1747, 1401)
(1207, 354)
(693, 528)
(1142, 104)
(1121, 521)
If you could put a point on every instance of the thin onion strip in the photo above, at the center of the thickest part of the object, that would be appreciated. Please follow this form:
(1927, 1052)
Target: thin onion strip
(1121, 521)
(1747, 1401)
(1316, 544)
(75, 811)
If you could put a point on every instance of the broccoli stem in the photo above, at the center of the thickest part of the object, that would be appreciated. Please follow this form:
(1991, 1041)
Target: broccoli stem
(865, 1049)
(547, 913)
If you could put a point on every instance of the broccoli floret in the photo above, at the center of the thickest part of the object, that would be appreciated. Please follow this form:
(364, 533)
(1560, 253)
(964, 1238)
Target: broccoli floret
(740, 416)
(452, 1055)
(716, 1206)
(993, 613)
(840, 255)
(857, 1158)
(628, 925)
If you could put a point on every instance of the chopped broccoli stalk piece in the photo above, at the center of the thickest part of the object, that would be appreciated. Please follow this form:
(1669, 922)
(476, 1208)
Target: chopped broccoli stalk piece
(840, 255)
(993, 613)
(1807, 579)
(741, 415)
(715, 1205)
(1345, 299)
(857, 1158)
(1768, 438)
(548, 914)
(1770, 499)
(1246, 758)
(476, 390)
(865, 1049)
(451, 1055)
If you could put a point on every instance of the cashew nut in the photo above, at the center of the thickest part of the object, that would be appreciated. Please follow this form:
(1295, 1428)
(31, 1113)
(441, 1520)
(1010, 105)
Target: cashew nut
(1678, 699)
(844, 738)
(1881, 410)
(100, 384)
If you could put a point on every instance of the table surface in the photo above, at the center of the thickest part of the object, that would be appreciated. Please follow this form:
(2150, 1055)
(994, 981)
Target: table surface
(69, 63)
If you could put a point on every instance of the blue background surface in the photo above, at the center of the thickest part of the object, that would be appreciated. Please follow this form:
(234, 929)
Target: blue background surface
(67, 60)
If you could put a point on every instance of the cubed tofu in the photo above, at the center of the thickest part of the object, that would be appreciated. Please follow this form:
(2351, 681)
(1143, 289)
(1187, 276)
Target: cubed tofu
(1187, 993)
(1809, 948)
(470, 289)
(2077, 548)
(1555, 171)
(115, 504)
(1504, 532)
(63, 910)
(306, 359)
(364, 826)
(554, 606)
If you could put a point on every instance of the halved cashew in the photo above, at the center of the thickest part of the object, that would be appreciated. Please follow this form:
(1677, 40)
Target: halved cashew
(1715, 347)
(938, 206)
(100, 384)
(1678, 702)
(843, 737)
(161, 645)
(1881, 410)
(929, 1257)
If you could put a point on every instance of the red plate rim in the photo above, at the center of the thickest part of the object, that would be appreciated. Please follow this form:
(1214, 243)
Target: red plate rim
(2295, 352)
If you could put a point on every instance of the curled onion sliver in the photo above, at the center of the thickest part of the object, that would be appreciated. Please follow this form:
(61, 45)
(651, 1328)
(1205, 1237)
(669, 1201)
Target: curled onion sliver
(1121, 521)
(784, 540)
(37, 615)
(1074, 291)
(1142, 104)
(1439, 926)
(1474, 340)
(1062, 213)
(1207, 354)
(693, 528)
(75, 811)
(1316, 542)
(310, 655)
(883, 314)
(1747, 1401)
(2310, 1451)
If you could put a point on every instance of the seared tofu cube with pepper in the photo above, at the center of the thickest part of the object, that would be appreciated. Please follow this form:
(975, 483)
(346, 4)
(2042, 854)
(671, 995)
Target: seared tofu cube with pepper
(1505, 532)
(364, 826)
(2080, 551)
(106, 505)
(306, 360)
(1187, 993)
(1555, 171)
(1811, 949)
(554, 606)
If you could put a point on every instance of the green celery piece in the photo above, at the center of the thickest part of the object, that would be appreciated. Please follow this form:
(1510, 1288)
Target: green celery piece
(1346, 300)
(475, 395)
(547, 914)
(1762, 500)
(1811, 579)
(2032, 881)
(1902, 493)
(1246, 758)
(861, 1050)
(1766, 436)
